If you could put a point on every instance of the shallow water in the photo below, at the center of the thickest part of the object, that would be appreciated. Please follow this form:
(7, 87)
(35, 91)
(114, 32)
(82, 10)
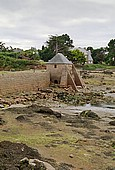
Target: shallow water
(110, 94)
(103, 110)
(17, 105)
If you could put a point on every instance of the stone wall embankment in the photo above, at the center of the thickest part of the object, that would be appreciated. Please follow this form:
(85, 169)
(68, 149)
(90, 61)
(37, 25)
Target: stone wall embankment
(23, 81)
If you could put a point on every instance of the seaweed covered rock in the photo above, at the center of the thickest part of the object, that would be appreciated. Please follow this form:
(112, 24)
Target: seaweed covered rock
(12, 153)
(112, 123)
(21, 118)
(44, 110)
(89, 114)
(33, 108)
(18, 156)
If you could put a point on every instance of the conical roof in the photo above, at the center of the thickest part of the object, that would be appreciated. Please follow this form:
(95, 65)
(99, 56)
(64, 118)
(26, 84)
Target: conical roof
(59, 59)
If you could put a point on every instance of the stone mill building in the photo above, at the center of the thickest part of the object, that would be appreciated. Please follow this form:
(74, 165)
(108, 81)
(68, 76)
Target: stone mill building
(59, 70)
(63, 72)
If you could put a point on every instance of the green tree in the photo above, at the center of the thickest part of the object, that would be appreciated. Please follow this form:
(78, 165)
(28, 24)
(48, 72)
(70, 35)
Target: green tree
(2, 47)
(60, 44)
(45, 53)
(56, 44)
(110, 59)
(32, 54)
(98, 55)
(77, 57)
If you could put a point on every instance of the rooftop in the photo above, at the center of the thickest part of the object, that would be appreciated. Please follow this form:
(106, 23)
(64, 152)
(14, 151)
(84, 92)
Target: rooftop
(59, 59)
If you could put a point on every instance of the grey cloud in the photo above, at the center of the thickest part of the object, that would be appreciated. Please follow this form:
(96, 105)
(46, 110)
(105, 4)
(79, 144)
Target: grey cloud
(31, 21)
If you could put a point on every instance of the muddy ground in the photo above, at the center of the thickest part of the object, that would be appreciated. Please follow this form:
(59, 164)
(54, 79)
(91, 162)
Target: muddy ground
(44, 130)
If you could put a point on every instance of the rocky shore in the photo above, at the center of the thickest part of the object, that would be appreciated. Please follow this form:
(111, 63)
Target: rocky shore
(47, 130)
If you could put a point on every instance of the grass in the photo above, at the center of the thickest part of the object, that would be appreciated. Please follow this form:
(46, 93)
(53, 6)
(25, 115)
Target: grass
(31, 134)
(37, 138)
(3, 72)
(97, 67)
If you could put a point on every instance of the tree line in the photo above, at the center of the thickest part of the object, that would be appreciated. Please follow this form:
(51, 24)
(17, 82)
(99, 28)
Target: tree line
(63, 44)
(16, 58)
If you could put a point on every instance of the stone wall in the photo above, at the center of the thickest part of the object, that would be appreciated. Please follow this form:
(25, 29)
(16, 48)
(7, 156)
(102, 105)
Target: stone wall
(21, 81)
(57, 71)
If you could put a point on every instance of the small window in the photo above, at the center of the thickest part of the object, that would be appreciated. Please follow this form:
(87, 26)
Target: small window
(55, 66)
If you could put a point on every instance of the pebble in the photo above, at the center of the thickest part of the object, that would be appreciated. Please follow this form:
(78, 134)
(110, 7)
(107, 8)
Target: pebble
(71, 156)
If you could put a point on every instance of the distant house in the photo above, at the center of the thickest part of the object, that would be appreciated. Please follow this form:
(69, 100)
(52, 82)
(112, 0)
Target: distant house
(63, 72)
(89, 59)
(17, 50)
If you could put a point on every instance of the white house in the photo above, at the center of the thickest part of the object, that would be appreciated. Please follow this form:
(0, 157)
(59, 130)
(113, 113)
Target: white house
(89, 59)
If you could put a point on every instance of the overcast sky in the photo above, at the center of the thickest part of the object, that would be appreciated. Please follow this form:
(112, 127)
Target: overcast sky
(29, 23)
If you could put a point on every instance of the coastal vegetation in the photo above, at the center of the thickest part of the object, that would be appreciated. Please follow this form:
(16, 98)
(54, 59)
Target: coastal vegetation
(20, 59)
(97, 67)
